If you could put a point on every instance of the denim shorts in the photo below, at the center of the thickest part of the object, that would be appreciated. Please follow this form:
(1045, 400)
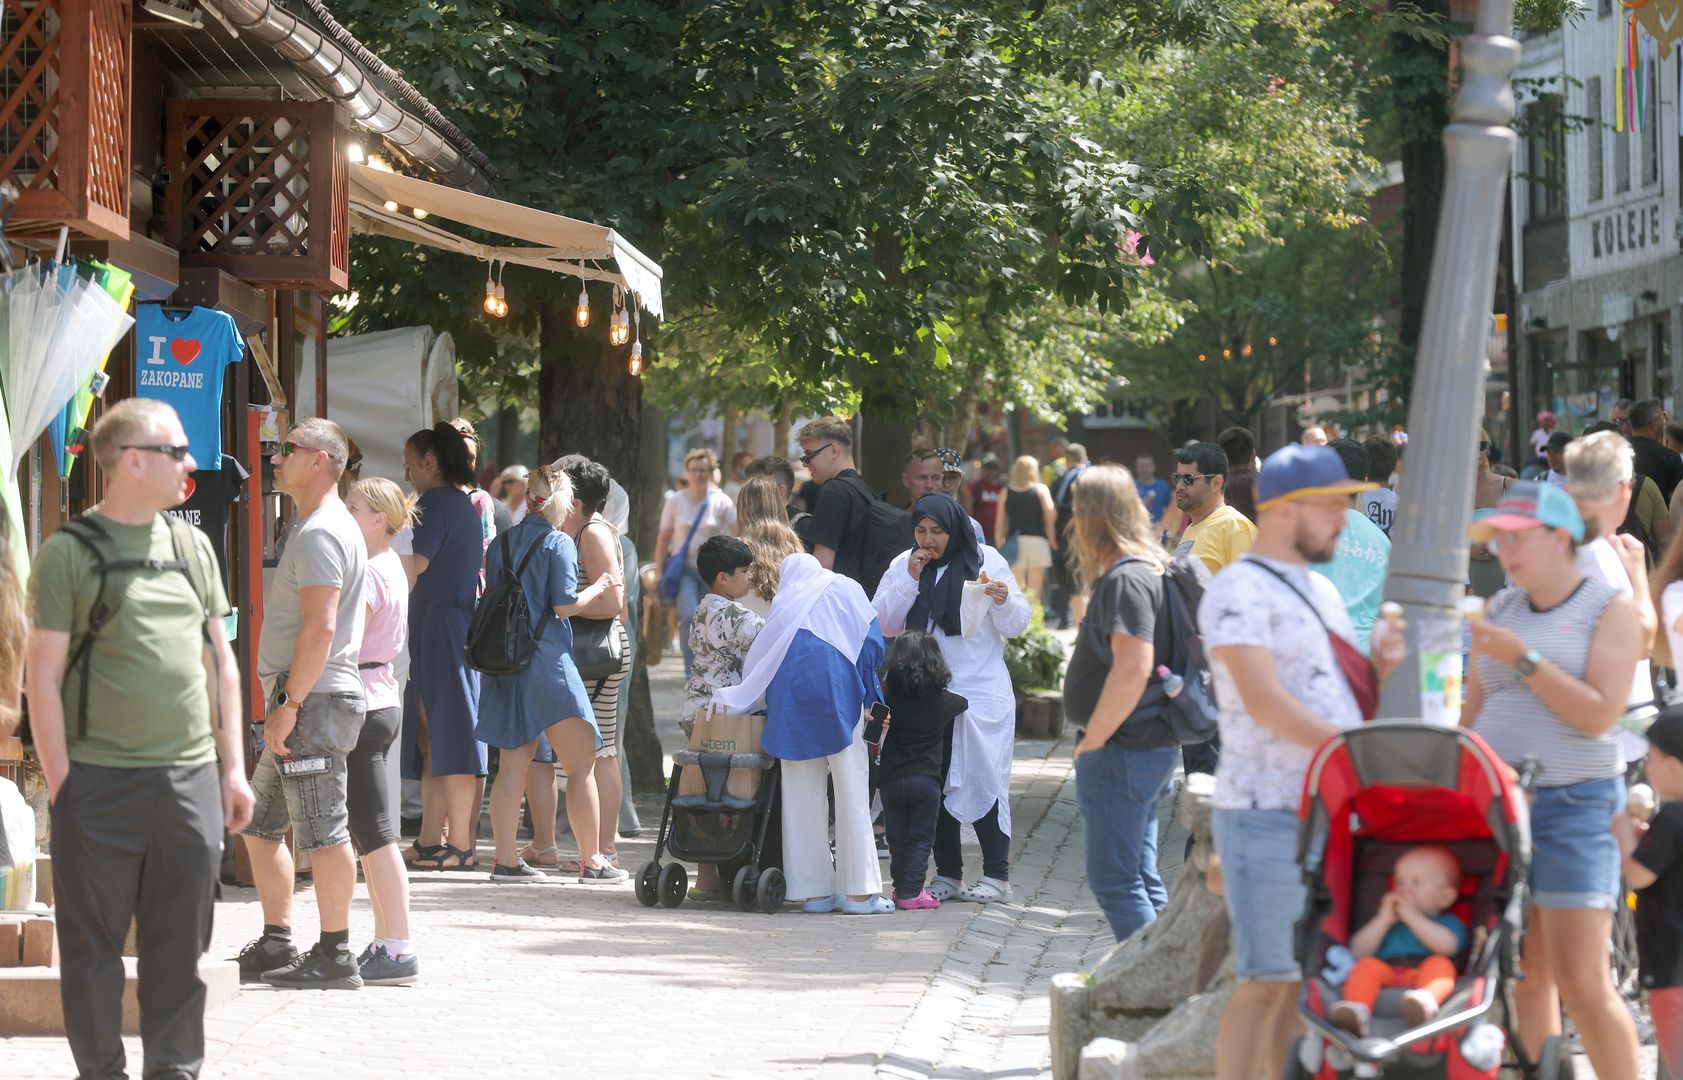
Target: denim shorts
(306, 789)
(1574, 858)
(1264, 890)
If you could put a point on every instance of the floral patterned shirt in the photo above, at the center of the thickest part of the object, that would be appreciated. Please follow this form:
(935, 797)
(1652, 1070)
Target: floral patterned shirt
(720, 634)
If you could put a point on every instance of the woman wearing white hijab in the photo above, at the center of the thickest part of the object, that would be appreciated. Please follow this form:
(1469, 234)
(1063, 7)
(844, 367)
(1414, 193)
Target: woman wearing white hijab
(815, 666)
(923, 590)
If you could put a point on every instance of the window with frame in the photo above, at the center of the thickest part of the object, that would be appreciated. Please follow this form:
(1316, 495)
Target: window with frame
(1595, 141)
(1545, 159)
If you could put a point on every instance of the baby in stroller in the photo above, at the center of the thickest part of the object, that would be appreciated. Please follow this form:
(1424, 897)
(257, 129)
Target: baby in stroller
(1411, 942)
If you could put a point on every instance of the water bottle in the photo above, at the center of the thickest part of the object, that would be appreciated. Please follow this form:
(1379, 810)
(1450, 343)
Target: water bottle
(1173, 683)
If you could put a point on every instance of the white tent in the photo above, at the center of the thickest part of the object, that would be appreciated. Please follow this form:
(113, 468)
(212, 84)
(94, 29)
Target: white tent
(383, 387)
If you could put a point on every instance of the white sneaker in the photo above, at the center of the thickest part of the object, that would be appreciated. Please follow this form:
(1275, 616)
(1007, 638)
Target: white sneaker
(1418, 1007)
(987, 890)
(945, 888)
(1352, 1016)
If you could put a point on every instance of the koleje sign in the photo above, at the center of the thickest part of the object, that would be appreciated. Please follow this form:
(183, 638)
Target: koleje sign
(1620, 231)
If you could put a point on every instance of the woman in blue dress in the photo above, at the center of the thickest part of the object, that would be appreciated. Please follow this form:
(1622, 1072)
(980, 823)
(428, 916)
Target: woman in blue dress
(548, 698)
(441, 700)
(815, 665)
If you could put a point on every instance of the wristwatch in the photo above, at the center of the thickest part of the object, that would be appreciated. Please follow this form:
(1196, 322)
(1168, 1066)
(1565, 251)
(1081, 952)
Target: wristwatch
(1526, 666)
(282, 701)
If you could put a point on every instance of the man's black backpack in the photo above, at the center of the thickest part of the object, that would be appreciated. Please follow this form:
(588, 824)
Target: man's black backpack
(500, 638)
(872, 543)
(108, 562)
(1191, 714)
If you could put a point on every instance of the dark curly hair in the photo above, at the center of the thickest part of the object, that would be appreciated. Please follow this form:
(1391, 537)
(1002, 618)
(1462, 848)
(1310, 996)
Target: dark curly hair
(915, 667)
(590, 481)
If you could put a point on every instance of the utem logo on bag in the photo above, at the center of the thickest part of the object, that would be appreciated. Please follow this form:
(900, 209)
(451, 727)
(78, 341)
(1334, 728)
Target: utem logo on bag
(717, 746)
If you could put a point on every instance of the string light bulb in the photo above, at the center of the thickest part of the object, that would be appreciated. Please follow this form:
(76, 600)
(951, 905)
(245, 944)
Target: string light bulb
(636, 365)
(619, 325)
(581, 314)
(494, 304)
(420, 215)
(391, 206)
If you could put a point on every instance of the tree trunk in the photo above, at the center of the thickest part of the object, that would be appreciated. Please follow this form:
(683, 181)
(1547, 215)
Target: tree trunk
(780, 432)
(886, 438)
(963, 421)
(1424, 91)
(589, 403)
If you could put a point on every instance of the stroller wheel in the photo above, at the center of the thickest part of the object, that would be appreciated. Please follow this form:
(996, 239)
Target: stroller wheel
(674, 885)
(646, 885)
(1555, 1062)
(1293, 1068)
(772, 890)
(742, 889)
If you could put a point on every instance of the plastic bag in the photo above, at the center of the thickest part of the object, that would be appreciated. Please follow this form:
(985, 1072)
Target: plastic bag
(17, 850)
(973, 607)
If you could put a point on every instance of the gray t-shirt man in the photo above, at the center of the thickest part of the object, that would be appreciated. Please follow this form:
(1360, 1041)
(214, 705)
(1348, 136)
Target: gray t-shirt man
(324, 549)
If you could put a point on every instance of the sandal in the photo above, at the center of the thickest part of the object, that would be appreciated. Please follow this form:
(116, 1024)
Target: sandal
(465, 860)
(418, 852)
(987, 890)
(548, 858)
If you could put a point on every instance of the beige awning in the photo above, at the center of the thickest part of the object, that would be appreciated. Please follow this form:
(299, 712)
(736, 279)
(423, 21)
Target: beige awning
(549, 241)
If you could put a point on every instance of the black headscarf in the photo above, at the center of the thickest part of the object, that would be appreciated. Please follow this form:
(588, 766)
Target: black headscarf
(938, 602)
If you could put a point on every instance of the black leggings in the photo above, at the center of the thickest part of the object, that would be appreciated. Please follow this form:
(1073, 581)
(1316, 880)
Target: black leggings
(366, 786)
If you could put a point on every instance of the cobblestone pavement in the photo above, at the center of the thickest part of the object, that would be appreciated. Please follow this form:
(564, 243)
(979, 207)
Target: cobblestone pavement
(566, 979)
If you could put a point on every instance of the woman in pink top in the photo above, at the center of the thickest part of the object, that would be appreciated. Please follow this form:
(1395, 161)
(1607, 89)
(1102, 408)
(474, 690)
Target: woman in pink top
(381, 508)
(688, 520)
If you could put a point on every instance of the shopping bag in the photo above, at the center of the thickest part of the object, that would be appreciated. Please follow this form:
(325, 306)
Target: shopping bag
(17, 850)
(724, 733)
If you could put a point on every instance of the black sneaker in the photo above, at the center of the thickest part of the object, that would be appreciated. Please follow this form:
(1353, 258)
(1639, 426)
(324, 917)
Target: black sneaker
(264, 955)
(519, 872)
(319, 969)
(379, 969)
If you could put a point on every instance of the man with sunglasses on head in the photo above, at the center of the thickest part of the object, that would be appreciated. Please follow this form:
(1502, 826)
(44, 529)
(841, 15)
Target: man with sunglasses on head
(144, 770)
(1216, 533)
(841, 519)
(307, 662)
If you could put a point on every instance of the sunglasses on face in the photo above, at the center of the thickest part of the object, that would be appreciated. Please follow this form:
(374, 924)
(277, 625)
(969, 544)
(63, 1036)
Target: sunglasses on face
(1187, 479)
(807, 458)
(287, 449)
(175, 453)
(1483, 445)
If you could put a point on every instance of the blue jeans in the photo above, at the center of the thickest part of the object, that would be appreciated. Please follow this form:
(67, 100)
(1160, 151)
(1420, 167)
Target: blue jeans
(910, 807)
(690, 592)
(949, 847)
(1117, 792)
(1574, 858)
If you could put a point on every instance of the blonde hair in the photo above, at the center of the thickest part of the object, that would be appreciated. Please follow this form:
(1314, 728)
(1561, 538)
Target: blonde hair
(765, 529)
(828, 429)
(385, 497)
(123, 423)
(1110, 522)
(1025, 472)
(701, 453)
(1597, 464)
(550, 491)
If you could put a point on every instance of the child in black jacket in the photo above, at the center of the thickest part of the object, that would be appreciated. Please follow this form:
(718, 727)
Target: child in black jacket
(920, 725)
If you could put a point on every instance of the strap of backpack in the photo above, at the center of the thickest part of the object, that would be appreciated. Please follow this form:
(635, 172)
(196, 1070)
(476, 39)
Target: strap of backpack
(104, 550)
(187, 554)
(548, 611)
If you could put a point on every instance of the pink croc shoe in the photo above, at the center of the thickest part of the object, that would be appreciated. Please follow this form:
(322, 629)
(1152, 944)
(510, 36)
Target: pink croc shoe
(921, 902)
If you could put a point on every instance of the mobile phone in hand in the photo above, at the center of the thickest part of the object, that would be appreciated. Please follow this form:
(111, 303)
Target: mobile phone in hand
(876, 724)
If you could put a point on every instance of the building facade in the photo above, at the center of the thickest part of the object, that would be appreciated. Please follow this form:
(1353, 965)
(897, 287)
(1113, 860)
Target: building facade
(1597, 242)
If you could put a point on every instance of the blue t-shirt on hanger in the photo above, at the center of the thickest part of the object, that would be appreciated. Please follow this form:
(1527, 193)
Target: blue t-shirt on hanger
(179, 359)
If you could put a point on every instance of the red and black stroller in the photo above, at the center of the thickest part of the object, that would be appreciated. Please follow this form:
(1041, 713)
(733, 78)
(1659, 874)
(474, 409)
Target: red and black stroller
(1371, 794)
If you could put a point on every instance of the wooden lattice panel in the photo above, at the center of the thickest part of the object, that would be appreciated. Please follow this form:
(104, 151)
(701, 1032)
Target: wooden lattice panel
(65, 69)
(259, 189)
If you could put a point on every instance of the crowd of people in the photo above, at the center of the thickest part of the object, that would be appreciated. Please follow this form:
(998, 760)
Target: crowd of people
(808, 603)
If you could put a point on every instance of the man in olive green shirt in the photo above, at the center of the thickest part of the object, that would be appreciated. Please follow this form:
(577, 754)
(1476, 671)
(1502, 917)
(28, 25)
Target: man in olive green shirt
(143, 773)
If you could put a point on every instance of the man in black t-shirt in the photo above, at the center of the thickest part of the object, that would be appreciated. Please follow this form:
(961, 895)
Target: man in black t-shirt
(838, 521)
(1653, 459)
(1653, 864)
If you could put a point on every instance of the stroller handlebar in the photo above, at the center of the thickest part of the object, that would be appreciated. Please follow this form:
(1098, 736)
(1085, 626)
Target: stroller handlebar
(1529, 767)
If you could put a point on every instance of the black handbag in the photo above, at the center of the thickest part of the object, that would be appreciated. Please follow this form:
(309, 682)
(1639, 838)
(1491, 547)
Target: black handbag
(598, 645)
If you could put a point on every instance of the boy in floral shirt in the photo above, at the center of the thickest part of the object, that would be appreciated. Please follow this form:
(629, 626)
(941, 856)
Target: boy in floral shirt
(722, 629)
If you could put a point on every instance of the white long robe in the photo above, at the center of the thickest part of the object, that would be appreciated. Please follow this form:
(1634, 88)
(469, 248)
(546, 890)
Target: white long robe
(985, 735)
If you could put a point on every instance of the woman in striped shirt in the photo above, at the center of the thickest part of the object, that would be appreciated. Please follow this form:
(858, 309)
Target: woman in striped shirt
(1553, 659)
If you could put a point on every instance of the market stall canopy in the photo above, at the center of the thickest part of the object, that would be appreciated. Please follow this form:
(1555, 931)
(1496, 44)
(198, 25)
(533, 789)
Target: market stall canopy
(550, 242)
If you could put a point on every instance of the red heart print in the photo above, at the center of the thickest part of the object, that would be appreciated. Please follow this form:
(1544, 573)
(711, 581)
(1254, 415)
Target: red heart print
(192, 486)
(185, 350)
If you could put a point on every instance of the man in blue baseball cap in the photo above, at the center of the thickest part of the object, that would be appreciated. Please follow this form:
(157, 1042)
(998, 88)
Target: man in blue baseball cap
(1288, 676)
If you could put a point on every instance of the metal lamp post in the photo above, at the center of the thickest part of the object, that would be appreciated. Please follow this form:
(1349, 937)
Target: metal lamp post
(1429, 537)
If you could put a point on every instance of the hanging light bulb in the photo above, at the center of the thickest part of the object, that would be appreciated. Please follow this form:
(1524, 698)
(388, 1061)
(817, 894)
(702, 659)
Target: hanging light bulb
(619, 327)
(391, 206)
(420, 215)
(581, 314)
(502, 301)
(490, 303)
(636, 366)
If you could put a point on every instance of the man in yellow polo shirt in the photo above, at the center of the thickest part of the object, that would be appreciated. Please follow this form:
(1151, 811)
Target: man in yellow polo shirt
(1216, 533)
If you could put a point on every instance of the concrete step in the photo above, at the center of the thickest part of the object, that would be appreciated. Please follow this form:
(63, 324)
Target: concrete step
(30, 1002)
